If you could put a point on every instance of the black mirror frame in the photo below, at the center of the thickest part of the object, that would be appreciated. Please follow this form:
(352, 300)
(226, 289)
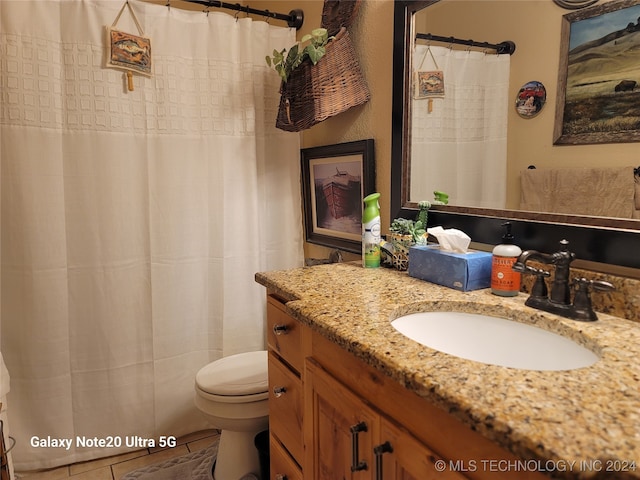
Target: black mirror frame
(593, 239)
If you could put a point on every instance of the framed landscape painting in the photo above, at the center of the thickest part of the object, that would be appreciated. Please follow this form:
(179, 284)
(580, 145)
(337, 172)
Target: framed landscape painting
(598, 97)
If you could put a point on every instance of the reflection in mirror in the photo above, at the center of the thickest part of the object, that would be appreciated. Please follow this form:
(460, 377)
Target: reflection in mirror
(459, 133)
(593, 238)
(483, 161)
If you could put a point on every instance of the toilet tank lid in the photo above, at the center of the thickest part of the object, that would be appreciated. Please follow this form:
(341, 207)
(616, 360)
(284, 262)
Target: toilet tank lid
(240, 374)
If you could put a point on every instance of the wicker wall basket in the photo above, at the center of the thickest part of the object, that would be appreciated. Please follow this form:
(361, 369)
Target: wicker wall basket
(314, 93)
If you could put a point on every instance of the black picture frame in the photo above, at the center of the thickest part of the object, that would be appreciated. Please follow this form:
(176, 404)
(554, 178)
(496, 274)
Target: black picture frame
(335, 179)
(597, 98)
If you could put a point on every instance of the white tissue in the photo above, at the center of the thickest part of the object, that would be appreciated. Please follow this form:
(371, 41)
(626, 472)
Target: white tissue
(451, 239)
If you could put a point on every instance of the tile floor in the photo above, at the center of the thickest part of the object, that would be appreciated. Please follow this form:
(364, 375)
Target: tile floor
(113, 468)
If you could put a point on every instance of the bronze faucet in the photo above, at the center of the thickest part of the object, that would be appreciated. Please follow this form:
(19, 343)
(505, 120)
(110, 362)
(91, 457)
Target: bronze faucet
(559, 299)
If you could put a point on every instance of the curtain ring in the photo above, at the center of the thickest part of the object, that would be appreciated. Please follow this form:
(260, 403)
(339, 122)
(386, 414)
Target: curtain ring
(267, 15)
(239, 9)
(168, 5)
(206, 10)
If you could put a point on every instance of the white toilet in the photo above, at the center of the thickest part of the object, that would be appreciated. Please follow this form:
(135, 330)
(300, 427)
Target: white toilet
(233, 393)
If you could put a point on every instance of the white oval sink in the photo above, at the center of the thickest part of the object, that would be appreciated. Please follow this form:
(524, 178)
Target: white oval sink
(495, 341)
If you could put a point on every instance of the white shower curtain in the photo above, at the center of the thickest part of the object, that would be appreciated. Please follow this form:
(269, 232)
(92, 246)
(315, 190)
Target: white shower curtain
(460, 147)
(133, 222)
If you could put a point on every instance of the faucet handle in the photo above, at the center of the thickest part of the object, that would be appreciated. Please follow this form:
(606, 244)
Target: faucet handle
(582, 300)
(539, 288)
(602, 286)
(529, 270)
(537, 271)
(597, 285)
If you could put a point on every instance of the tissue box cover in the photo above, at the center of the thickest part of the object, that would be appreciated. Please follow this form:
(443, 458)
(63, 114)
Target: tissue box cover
(461, 271)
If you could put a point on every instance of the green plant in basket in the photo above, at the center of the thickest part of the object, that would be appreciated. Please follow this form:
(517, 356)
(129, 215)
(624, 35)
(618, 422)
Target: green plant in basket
(314, 51)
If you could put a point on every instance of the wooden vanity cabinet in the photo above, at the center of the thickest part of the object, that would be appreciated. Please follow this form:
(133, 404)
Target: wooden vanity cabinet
(338, 414)
(423, 433)
(348, 439)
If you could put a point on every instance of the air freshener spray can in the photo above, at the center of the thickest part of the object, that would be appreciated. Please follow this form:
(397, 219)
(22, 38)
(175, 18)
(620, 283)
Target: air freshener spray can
(371, 231)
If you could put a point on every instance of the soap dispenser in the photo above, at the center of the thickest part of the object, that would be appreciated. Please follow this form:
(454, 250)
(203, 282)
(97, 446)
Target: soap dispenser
(504, 281)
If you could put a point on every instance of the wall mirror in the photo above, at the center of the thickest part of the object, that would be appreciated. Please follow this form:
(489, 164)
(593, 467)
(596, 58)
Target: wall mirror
(602, 240)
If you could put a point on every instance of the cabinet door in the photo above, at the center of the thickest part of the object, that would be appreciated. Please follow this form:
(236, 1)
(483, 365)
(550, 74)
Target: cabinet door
(400, 456)
(340, 429)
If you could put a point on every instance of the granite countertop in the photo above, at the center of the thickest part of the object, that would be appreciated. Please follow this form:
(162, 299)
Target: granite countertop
(587, 415)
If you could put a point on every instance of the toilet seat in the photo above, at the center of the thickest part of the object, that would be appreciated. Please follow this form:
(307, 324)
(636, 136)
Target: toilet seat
(240, 378)
(232, 394)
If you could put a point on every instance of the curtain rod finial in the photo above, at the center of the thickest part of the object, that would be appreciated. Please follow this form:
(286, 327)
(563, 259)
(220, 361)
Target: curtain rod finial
(296, 18)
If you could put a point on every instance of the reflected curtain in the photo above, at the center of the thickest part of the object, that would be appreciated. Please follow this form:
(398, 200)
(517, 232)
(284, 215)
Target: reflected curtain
(460, 146)
(133, 222)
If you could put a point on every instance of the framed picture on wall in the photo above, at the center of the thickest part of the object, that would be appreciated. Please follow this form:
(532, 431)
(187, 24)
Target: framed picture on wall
(598, 97)
(335, 179)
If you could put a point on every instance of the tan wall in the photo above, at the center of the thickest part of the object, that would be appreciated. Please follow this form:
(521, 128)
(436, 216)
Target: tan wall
(372, 34)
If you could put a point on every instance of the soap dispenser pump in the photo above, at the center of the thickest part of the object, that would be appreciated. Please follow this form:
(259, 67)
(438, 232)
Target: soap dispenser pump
(504, 280)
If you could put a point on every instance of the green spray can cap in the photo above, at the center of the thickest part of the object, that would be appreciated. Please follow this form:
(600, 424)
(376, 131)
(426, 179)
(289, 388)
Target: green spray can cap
(371, 207)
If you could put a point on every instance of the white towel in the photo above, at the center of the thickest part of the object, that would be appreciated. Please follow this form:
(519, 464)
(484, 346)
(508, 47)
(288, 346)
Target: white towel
(605, 192)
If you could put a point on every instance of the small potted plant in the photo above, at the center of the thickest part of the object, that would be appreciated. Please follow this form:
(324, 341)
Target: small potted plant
(406, 232)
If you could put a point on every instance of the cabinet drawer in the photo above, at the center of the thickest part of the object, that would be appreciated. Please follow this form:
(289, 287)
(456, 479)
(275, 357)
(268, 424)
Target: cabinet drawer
(285, 407)
(284, 334)
(282, 467)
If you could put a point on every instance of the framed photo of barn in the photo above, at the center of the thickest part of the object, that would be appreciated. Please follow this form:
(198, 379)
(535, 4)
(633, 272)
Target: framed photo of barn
(598, 98)
(335, 179)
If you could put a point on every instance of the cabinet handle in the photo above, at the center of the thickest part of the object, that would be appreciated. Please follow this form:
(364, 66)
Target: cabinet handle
(379, 451)
(279, 391)
(280, 329)
(356, 464)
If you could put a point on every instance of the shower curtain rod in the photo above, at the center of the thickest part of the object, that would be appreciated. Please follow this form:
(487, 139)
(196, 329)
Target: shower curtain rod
(294, 19)
(504, 47)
